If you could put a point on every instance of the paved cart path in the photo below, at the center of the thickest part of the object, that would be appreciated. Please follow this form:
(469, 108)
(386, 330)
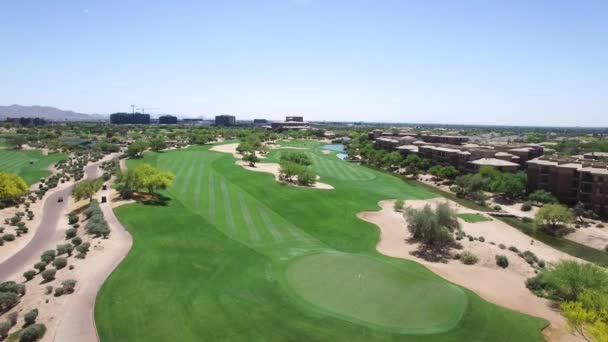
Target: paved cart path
(78, 323)
(48, 229)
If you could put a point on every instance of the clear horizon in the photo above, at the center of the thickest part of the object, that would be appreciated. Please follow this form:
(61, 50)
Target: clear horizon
(471, 62)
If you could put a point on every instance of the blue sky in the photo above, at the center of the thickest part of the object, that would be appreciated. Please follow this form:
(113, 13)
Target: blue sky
(482, 62)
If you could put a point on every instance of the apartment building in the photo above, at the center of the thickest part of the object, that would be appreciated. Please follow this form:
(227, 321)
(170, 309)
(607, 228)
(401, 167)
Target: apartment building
(571, 181)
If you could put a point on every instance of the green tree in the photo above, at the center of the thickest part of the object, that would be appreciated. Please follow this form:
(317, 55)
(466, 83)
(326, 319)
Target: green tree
(568, 279)
(86, 189)
(542, 196)
(510, 185)
(11, 186)
(306, 177)
(251, 158)
(425, 227)
(552, 217)
(158, 144)
(136, 149)
(150, 178)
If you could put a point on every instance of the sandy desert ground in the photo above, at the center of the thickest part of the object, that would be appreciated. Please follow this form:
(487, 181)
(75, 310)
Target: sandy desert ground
(505, 287)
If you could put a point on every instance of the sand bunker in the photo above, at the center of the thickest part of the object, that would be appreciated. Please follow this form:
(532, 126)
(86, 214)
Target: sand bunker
(272, 168)
(592, 237)
(505, 287)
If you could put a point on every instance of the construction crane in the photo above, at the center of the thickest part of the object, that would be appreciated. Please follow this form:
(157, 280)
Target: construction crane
(143, 110)
(133, 109)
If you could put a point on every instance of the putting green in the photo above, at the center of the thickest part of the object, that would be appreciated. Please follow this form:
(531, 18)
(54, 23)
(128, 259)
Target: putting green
(373, 292)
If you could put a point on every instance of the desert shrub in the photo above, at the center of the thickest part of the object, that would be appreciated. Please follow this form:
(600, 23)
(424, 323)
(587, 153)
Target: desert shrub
(471, 238)
(29, 275)
(83, 248)
(30, 317)
(65, 248)
(76, 226)
(599, 225)
(526, 206)
(77, 241)
(446, 216)
(69, 285)
(541, 263)
(12, 318)
(457, 256)
(32, 333)
(50, 253)
(5, 327)
(425, 227)
(468, 258)
(542, 196)
(399, 204)
(514, 249)
(502, 261)
(8, 300)
(58, 291)
(568, 279)
(49, 289)
(80, 256)
(530, 257)
(8, 237)
(72, 219)
(40, 266)
(481, 239)
(70, 233)
(497, 208)
(60, 263)
(49, 274)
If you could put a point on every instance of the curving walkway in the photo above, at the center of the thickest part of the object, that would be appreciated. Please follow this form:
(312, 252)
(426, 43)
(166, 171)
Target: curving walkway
(78, 323)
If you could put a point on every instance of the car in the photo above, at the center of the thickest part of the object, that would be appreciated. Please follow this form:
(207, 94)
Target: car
(60, 199)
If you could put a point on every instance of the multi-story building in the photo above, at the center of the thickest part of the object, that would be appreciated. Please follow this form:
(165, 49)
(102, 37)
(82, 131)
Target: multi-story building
(225, 120)
(167, 120)
(294, 119)
(571, 181)
(27, 121)
(292, 123)
(130, 118)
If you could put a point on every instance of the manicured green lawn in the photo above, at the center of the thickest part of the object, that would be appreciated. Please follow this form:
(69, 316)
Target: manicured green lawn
(236, 256)
(29, 164)
(472, 218)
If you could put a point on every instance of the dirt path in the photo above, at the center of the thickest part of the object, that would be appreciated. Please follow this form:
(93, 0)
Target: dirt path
(504, 287)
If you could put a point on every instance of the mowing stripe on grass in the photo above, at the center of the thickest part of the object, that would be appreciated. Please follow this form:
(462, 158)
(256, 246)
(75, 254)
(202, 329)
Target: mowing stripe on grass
(197, 188)
(347, 170)
(211, 198)
(320, 164)
(227, 207)
(337, 172)
(270, 225)
(187, 184)
(253, 232)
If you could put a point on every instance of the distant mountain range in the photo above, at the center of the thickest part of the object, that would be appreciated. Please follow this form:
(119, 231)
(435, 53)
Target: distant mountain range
(48, 113)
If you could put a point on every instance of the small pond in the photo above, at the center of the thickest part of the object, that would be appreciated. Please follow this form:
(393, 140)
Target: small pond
(337, 148)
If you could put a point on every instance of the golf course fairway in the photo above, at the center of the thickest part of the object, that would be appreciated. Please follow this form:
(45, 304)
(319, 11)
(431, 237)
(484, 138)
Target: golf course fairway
(233, 255)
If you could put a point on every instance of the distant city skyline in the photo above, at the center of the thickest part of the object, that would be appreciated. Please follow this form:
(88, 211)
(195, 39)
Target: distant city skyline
(541, 63)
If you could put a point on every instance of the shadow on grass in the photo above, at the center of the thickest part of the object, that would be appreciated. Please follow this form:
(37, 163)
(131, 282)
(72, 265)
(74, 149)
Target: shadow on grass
(156, 200)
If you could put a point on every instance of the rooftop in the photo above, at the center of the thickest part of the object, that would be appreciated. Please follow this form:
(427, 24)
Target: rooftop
(494, 162)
